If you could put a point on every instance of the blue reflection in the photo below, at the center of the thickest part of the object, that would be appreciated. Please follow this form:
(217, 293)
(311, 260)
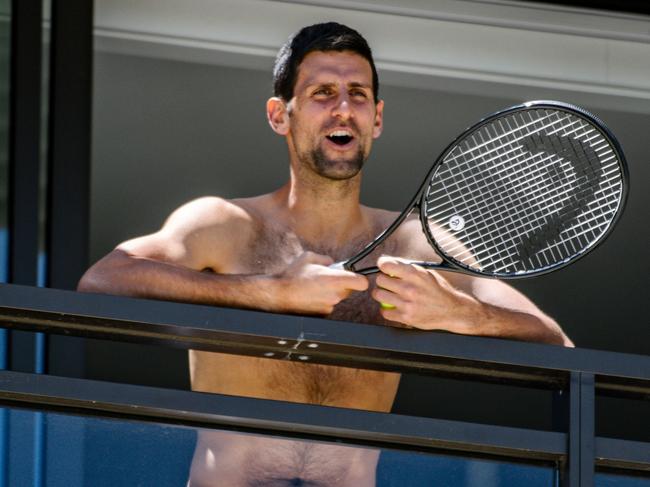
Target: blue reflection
(4, 275)
(83, 451)
(4, 420)
(132, 453)
(420, 470)
(4, 255)
(609, 480)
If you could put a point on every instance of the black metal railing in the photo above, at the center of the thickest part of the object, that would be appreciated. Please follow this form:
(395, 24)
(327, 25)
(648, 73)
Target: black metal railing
(578, 373)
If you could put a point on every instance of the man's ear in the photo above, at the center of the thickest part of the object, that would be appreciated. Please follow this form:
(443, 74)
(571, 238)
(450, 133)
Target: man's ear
(277, 114)
(379, 120)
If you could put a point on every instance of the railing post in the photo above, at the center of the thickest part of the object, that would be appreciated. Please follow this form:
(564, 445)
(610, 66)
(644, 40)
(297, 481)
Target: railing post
(27, 350)
(24, 161)
(69, 163)
(579, 469)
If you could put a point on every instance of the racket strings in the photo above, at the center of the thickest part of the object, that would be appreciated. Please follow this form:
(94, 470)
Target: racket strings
(498, 152)
(523, 178)
(555, 226)
(506, 165)
(518, 203)
(477, 177)
(511, 245)
(495, 196)
(494, 227)
(573, 232)
(532, 192)
(584, 165)
(596, 222)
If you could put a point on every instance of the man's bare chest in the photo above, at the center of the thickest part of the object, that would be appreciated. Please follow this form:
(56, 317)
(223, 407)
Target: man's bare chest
(270, 252)
(273, 250)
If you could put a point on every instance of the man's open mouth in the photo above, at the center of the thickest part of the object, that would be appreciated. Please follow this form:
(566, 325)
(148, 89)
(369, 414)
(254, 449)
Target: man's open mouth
(340, 137)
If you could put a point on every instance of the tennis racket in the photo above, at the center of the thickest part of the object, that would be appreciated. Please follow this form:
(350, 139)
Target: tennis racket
(525, 191)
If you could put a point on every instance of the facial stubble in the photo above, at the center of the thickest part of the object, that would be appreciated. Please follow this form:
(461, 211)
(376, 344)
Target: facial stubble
(338, 169)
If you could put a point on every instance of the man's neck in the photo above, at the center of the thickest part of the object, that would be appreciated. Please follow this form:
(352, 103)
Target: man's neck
(324, 214)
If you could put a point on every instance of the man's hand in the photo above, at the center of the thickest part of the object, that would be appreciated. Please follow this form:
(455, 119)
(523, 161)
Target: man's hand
(461, 304)
(423, 299)
(309, 286)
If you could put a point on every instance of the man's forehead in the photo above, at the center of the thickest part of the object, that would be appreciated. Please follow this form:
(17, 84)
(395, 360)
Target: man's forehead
(323, 66)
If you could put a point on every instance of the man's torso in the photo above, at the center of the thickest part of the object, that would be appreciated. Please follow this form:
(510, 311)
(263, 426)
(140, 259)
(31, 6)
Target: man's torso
(269, 248)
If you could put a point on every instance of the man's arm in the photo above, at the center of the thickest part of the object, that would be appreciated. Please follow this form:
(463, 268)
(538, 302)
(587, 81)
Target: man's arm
(171, 265)
(460, 303)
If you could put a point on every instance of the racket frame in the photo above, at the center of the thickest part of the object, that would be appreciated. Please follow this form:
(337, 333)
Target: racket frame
(418, 201)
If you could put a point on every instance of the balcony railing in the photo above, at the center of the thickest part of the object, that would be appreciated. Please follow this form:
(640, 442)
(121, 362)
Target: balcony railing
(576, 375)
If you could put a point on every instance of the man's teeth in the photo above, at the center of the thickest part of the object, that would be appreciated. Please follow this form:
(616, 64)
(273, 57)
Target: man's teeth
(340, 133)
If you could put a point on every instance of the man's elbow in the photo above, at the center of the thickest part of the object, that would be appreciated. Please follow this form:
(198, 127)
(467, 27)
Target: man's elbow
(97, 279)
(87, 283)
(566, 342)
(561, 338)
(93, 281)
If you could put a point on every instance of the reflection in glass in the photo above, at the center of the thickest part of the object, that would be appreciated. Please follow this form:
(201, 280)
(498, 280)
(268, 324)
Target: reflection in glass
(82, 451)
(611, 480)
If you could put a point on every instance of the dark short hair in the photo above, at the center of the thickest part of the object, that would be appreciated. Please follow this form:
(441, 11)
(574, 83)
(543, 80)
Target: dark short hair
(329, 36)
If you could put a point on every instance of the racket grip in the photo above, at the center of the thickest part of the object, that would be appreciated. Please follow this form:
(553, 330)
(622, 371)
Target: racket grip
(374, 269)
(340, 266)
(427, 265)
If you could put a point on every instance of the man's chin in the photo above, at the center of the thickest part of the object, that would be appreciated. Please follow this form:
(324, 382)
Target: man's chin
(339, 168)
(339, 171)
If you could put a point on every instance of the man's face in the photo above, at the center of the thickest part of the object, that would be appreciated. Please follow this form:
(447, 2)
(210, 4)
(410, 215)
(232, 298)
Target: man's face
(333, 117)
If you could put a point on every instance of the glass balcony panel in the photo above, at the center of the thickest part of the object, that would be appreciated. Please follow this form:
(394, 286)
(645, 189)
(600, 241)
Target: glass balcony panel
(70, 450)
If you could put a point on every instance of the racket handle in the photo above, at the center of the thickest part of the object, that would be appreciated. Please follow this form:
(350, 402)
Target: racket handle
(374, 269)
(341, 266)
(427, 265)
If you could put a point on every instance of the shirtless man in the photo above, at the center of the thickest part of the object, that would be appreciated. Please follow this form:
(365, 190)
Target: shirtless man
(272, 253)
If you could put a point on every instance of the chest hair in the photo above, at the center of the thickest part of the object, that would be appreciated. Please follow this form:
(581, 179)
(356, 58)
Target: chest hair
(274, 249)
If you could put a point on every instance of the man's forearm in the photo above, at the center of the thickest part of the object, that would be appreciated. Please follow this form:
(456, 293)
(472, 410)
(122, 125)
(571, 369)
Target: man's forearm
(461, 304)
(121, 274)
(505, 323)
(306, 286)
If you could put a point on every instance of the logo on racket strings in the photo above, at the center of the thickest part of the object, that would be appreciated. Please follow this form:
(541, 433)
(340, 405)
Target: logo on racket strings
(456, 223)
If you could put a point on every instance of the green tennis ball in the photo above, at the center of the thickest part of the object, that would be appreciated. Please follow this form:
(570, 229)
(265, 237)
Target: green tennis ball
(387, 306)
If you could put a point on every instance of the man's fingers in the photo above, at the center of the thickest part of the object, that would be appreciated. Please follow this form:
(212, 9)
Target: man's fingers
(390, 283)
(393, 267)
(387, 298)
(355, 282)
(392, 314)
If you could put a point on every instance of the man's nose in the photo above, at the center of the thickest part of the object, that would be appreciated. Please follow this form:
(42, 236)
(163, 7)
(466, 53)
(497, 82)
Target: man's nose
(342, 108)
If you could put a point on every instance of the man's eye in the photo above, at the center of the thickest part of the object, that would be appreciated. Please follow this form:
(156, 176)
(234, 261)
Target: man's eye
(359, 94)
(323, 91)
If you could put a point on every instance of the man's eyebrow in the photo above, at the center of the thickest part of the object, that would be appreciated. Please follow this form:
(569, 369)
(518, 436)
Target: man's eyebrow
(328, 84)
(312, 83)
(357, 84)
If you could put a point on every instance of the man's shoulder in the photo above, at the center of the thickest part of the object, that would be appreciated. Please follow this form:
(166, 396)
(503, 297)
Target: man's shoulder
(214, 211)
(215, 229)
